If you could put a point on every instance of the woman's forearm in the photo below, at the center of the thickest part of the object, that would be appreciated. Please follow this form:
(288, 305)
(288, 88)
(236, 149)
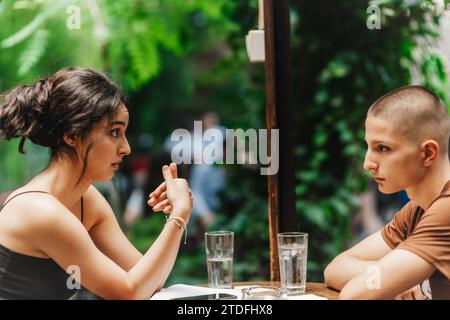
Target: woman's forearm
(150, 273)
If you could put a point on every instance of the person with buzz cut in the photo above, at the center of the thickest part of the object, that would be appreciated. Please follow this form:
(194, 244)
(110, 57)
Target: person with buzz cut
(407, 133)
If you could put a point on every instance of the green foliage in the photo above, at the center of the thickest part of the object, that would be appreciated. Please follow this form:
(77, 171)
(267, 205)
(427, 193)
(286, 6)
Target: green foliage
(16, 168)
(157, 27)
(339, 69)
(47, 10)
(10, 170)
(34, 51)
(145, 232)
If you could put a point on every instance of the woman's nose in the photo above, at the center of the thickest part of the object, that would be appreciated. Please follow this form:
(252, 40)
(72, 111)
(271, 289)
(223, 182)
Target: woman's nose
(369, 163)
(125, 148)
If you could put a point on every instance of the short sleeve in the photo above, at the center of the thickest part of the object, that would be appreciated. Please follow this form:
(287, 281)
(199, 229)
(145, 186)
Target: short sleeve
(430, 238)
(396, 231)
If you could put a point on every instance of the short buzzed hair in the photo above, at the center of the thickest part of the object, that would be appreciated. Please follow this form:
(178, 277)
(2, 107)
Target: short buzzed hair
(417, 113)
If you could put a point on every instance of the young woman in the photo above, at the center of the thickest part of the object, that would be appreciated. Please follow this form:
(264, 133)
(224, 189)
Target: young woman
(58, 223)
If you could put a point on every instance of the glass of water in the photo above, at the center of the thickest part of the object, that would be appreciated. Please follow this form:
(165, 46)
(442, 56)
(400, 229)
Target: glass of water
(219, 257)
(292, 255)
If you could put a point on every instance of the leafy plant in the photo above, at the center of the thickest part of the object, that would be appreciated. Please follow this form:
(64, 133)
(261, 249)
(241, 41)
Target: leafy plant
(34, 51)
(340, 68)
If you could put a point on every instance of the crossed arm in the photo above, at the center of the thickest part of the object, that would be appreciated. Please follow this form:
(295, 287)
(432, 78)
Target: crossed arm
(371, 270)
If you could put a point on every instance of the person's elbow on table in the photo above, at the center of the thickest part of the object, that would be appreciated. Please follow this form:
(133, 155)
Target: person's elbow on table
(328, 275)
(357, 289)
(331, 275)
(348, 294)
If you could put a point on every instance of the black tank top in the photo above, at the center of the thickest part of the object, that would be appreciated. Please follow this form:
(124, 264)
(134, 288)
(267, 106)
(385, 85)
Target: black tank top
(27, 277)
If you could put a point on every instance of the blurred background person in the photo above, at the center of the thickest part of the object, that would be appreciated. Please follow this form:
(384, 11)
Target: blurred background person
(135, 206)
(206, 178)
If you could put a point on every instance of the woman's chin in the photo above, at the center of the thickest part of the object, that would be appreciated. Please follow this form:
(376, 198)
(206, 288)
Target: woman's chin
(105, 177)
(386, 189)
(110, 177)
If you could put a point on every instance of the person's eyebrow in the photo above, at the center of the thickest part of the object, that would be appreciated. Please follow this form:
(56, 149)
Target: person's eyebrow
(119, 122)
(378, 142)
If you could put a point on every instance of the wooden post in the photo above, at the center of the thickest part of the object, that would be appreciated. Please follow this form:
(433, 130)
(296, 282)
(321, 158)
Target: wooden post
(279, 115)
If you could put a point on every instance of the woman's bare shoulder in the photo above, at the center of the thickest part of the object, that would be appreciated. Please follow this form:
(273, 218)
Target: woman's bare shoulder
(94, 198)
(40, 208)
(96, 204)
(30, 201)
(28, 215)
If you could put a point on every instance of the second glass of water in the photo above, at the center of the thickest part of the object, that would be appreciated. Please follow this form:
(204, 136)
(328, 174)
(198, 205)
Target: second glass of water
(219, 257)
(293, 255)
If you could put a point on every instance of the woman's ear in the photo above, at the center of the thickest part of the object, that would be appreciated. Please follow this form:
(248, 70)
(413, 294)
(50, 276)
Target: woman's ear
(69, 139)
(430, 150)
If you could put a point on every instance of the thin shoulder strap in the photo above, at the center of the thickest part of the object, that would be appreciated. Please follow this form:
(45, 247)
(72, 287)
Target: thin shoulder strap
(19, 195)
(82, 205)
(82, 209)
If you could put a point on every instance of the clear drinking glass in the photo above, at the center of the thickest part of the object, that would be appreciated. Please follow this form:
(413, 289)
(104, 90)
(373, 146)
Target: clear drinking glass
(219, 257)
(293, 255)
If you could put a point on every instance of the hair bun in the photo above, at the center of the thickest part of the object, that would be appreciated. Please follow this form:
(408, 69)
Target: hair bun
(73, 101)
(24, 114)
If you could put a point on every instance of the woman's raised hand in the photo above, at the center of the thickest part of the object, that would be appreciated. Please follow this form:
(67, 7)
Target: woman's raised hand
(173, 195)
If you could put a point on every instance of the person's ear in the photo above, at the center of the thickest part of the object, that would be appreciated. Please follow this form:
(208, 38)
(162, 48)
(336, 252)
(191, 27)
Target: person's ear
(70, 139)
(430, 151)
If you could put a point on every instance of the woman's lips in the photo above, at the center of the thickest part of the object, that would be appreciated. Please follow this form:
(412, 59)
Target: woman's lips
(115, 165)
(378, 180)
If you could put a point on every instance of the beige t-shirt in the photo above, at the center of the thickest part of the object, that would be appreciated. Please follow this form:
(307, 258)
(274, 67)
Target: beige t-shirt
(426, 234)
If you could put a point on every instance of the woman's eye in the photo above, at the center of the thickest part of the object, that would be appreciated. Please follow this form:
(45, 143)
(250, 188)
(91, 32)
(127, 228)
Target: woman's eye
(115, 132)
(383, 148)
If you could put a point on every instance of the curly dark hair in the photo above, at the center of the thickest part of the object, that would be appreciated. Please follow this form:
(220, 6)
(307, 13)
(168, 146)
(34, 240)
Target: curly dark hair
(72, 101)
